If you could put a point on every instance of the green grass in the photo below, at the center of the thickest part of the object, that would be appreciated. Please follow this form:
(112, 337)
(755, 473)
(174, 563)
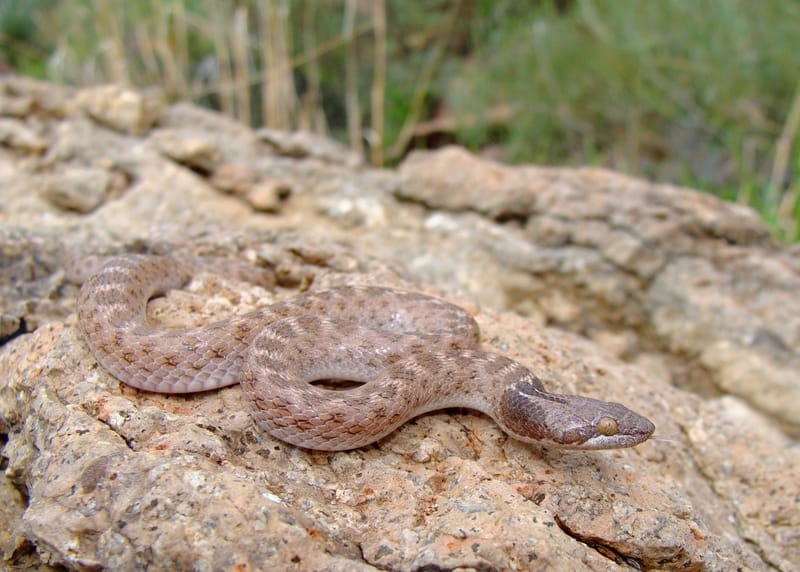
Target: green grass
(704, 93)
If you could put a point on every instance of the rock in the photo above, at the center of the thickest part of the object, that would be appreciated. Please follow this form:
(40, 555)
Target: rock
(12, 507)
(195, 150)
(268, 195)
(29, 280)
(235, 179)
(303, 144)
(452, 179)
(19, 107)
(726, 430)
(77, 189)
(16, 135)
(122, 109)
(670, 301)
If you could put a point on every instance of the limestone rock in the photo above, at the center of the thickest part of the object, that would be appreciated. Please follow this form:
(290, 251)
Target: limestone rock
(234, 179)
(123, 109)
(670, 301)
(15, 134)
(195, 150)
(78, 189)
(302, 144)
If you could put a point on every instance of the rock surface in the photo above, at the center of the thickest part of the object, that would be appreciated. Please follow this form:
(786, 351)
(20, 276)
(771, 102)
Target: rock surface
(667, 300)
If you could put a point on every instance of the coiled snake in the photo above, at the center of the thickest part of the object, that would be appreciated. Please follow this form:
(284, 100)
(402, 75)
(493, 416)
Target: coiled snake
(412, 353)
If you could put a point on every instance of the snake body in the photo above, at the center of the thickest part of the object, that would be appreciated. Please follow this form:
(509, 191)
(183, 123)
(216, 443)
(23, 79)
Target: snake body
(410, 352)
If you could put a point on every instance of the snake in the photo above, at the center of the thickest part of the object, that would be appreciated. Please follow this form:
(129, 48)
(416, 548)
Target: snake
(403, 354)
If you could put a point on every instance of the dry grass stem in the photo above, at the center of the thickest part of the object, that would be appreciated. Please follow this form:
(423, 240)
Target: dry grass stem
(378, 82)
(241, 64)
(352, 104)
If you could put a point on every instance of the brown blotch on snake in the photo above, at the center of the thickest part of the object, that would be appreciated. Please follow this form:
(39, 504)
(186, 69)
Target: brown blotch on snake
(412, 354)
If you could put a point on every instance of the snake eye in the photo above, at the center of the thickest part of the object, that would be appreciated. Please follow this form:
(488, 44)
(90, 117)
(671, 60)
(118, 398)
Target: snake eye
(607, 426)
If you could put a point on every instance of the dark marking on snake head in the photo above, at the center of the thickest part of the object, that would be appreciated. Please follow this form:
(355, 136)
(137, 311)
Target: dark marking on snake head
(521, 415)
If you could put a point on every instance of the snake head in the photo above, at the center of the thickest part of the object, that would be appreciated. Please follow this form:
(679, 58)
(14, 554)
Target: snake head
(601, 425)
(570, 421)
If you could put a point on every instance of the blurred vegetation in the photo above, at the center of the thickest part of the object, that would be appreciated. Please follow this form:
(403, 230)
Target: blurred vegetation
(704, 93)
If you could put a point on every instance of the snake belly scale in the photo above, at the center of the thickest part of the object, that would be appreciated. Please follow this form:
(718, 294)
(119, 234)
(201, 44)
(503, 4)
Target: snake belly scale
(410, 352)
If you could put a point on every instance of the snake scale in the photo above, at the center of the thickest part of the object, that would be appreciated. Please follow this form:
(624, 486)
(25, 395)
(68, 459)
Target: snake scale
(410, 353)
